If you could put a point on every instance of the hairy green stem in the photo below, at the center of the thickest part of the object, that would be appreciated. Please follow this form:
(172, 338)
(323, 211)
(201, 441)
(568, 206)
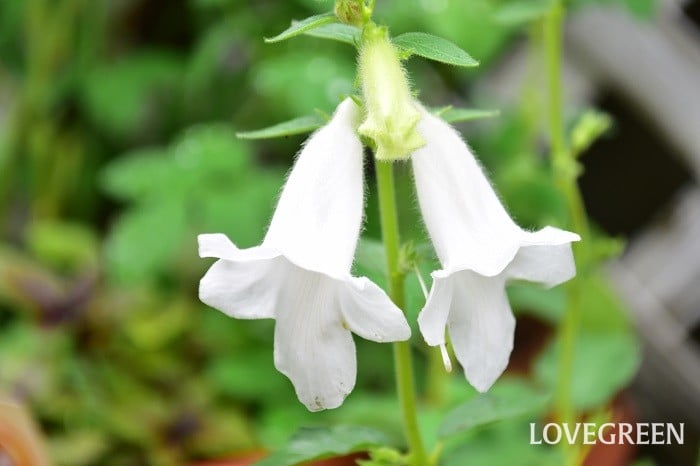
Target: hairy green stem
(565, 175)
(402, 350)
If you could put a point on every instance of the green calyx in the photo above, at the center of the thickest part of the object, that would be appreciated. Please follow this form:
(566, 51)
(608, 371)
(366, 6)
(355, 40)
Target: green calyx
(391, 114)
(350, 11)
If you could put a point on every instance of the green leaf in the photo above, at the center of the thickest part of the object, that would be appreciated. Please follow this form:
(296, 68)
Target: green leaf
(337, 31)
(604, 363)
(326, 79)
(526, 186)
(150, 331)
(506, 401)
(180, 190)
(373, 409)
(317, 443)
(277, 423)
(147, 84)
(604, 248)
(301, 125)
(531, 298)
(205, 66)
(458, 115)
(134, 175)
(385, 457)
(370, 260)
(521, 11)
(249, 378)
(22, 346)
(433, 48)
(143, 240)
(66, 245)
(642, 9)
(602, 309)
(78, 446)
(300, 27)
(500, 444)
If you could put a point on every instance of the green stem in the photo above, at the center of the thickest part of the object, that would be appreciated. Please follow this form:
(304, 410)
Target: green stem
(531, 104)
(565, 167)
(565, 176)
(402, 350)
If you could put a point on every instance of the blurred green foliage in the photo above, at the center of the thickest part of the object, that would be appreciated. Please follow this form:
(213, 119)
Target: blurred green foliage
(118, 146)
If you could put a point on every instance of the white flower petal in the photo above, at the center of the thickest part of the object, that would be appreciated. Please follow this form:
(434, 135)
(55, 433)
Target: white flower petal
(481, 327)
(467, 223)
(370, 313)
(245, 290)
(319, 213)
(433, 318)
(549, 236)
(480, 248)
(218, 245)
(300, 275)
(545, 258)
(312, 348)
(548, 265)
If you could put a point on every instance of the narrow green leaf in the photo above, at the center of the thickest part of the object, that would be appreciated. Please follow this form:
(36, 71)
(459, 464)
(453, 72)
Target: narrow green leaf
(300, 27)
(433, 48)
(300, 125)
(337, 31)
(521, 11)
(316, 443)
(457, 115)
(505, 402)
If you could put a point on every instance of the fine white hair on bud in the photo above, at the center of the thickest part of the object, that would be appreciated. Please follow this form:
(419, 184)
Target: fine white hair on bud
(391, 115)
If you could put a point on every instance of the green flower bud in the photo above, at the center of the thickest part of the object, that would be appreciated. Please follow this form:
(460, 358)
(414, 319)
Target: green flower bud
(349, 11)
(391, 114)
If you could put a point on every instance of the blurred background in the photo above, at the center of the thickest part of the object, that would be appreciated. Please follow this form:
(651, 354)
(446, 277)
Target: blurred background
(118, 145)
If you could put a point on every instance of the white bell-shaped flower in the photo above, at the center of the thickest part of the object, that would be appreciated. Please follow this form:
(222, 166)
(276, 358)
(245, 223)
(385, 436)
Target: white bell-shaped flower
(300, 274)
(480, 249)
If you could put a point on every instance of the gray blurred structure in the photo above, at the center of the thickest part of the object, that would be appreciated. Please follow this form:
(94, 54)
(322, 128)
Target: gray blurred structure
(655, 68)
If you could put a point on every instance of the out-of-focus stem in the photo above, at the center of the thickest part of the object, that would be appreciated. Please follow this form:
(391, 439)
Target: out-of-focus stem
(565, 175)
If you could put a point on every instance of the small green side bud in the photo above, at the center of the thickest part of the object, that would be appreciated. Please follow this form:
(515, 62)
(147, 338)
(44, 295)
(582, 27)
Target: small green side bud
(349, 11)
(591, 126)
(391, 114)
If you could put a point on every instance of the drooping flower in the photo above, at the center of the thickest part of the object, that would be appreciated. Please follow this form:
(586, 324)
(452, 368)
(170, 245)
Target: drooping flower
(300, 274)
(480, 248)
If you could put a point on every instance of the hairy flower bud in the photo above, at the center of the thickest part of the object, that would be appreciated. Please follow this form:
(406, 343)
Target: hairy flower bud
(391, 115)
